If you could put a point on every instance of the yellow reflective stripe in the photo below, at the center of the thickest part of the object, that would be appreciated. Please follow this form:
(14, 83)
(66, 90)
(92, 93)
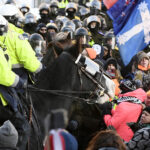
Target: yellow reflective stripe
(114, 107)
(91, 43)
(76, 17)
(4, 103)
(63, 4)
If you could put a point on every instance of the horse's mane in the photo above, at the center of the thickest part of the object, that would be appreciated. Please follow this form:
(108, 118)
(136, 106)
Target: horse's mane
(58, 70)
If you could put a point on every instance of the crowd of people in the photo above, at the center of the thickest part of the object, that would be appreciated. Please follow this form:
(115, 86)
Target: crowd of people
(25, 49)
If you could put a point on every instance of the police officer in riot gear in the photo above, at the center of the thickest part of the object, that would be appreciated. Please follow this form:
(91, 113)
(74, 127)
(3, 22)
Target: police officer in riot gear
(30, 23)
(109, 38)
(95, 7)
(77, 23)
(82, 35)
(53, 10)
(94, 24)
(9, 12)
(60, 21)
(44, 13)
(84, 13)
(71, 10)
(51, 32)
(9, 82)
(38, 44)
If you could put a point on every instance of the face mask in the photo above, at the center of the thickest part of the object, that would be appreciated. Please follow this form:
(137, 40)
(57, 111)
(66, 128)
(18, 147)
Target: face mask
(71, 14)
(44, 16)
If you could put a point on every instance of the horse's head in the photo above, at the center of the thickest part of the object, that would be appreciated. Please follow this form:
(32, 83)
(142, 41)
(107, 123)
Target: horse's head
(94, 72)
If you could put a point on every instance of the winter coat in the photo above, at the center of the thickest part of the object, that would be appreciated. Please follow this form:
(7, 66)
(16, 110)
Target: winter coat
(140, 140)
(142, 77)
(126, 112)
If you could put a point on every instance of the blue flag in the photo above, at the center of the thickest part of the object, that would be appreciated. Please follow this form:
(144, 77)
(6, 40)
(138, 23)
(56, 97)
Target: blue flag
(131, 23)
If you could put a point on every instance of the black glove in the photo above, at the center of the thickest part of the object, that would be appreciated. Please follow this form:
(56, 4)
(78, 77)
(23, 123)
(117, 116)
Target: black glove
(107, 107)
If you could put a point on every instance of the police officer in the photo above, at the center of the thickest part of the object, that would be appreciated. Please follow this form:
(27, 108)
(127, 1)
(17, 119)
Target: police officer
(22, 55)
(8, 99)
(94, 24)
(71, 10)
(44, 13)
(82, 35)
(38, 44)
(95, 7)
(11, 16)
(51, 31)
(84, 13)
(62, 6)
(54, 8)
(30, 23)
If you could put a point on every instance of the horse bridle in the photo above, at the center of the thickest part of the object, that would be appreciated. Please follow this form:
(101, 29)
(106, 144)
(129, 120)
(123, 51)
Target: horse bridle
(81, 70)
(99, 90)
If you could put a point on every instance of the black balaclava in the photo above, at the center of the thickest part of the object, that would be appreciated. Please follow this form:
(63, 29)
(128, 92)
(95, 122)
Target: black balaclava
(71, 14)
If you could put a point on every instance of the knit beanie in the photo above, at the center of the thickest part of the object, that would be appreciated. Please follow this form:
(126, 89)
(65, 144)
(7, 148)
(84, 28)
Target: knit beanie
(8, 135)
(141, 55)
(111, 61)
(60, 140)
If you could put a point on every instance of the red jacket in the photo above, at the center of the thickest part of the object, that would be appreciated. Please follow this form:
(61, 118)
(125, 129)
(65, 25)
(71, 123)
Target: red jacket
(124, 113)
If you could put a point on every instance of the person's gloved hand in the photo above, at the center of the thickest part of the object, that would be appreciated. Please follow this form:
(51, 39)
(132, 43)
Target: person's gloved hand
(21, 84)
(107, 107)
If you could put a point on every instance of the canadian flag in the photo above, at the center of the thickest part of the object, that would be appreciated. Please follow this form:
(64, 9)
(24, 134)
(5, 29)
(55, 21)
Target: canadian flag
(109, 3)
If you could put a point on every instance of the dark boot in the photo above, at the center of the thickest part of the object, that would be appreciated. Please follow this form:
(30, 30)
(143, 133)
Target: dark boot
(23, 128)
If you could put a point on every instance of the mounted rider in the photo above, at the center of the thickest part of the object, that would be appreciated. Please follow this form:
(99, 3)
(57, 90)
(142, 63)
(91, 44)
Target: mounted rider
(9, 82)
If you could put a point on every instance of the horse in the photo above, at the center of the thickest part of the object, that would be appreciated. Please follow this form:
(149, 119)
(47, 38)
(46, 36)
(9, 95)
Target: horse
(64, 76)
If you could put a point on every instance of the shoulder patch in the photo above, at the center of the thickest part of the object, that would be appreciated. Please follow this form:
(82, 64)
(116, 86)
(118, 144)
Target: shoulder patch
(21, 37)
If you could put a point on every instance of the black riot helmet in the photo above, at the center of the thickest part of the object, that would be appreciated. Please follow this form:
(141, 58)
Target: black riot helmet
(53, 7)
(71, 10)
(84, 12)
(24, 8)
(11, 2)
(93, 23)
(109, 38)
(82, 33)
(3, 26)
(37, 43)
(30, 23)
(70, 24)
(30, 18)
(77, 23)
(60, 21)
(52, 26)
(66, 29)
(95, 7)
(51, 31)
